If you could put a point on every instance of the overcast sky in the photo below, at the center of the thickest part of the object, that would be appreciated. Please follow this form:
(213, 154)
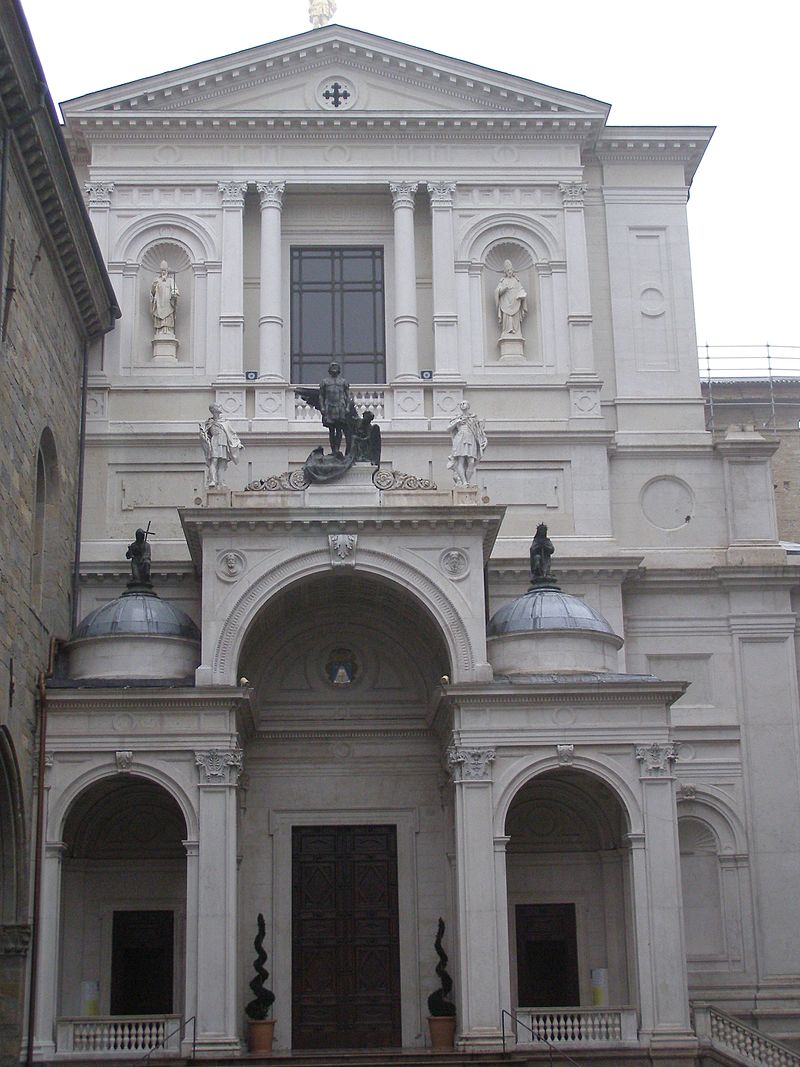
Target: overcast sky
(687, 62)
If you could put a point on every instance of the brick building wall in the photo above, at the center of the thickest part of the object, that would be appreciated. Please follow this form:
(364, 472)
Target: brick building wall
(54, 298)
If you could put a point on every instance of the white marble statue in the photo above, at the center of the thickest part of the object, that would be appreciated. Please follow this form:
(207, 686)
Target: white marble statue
(320, 12)
(511, 302)
(164, 301)
(469, 444)
(221, 446)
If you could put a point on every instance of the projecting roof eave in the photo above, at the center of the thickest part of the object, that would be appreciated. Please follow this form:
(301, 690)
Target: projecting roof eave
(646, 144)
(26, 107)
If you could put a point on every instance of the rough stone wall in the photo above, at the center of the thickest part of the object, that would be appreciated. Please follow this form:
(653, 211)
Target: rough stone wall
(40, 377)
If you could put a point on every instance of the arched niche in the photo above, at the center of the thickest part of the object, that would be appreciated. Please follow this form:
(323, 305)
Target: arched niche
(351, 645)
(123, 900)
(537, 259)
(567, 875)
(191, 252)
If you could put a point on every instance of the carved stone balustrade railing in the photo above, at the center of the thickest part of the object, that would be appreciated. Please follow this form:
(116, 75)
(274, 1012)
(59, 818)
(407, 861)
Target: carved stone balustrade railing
(577, 1026)
(366, 399)
(730, 1035)
(118, 1033)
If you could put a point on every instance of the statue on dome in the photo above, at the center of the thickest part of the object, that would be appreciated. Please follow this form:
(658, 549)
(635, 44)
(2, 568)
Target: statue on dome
(541, 551)
(511, 302)
(139, 555)
(221, 446)
(469, 444)
(164, 301)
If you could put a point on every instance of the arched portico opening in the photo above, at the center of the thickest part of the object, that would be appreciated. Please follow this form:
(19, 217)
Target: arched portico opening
(568, 879)
(344, 832)
(123, 928)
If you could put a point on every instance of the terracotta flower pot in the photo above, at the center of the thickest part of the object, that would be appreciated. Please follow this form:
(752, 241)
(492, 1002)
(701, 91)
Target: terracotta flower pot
(443, 1030)
(259, 1034)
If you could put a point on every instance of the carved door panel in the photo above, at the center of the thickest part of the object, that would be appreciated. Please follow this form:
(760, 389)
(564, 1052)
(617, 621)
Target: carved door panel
(345, 948)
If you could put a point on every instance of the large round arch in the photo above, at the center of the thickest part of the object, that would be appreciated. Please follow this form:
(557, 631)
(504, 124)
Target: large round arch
(382, 569)
(123, 901)
(568, 878)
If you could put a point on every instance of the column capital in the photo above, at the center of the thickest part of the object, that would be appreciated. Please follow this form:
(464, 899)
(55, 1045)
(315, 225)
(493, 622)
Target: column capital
(441, 192)
(271, 193)
(99, 193)
(219, 768)
(232, 192)
(572, 193)
(403, 193)
(470, 764)
(657, 759)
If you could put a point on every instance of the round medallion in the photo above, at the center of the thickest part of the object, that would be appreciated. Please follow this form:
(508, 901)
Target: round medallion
(230, 565)
(336, 93)
(454, 563)
(667, 502)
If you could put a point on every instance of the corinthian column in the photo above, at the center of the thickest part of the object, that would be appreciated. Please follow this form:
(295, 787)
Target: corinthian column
(406, 324)
(231, 318)
(445, 315)
(270, 319)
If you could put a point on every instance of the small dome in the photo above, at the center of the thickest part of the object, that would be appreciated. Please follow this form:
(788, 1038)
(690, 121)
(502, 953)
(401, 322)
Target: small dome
(546, 608)
(137, 613)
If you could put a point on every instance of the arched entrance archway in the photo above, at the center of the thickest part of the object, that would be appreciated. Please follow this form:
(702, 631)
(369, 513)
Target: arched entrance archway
(344, 828)
(14, 933)
(567, 867)
(123, 902)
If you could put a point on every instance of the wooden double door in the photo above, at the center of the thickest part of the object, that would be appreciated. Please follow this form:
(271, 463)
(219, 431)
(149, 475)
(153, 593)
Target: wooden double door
(345, 945)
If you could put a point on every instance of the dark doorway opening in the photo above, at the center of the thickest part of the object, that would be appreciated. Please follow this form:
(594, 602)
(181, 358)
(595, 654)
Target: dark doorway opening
(142, 953)
(547, 956)
(345, 943)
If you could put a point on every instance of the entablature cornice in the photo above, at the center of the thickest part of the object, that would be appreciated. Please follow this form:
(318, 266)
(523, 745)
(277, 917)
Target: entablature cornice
(774, 575)
(411, 521)
(144, 699)
(611, 570)
(561, 689)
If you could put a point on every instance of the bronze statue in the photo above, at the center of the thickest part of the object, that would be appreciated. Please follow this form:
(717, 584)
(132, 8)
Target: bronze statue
(139, 555)
(366, 437)
(541, 551)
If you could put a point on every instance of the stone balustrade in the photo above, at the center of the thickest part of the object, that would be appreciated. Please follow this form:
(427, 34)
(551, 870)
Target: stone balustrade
(118, 1033)
(730, 1035)
(577, 1026)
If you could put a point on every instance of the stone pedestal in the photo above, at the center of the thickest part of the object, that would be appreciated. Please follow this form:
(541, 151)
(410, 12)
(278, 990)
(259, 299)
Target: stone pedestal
(356, 485)
(165, 349)
(465, 494)
(512, 349)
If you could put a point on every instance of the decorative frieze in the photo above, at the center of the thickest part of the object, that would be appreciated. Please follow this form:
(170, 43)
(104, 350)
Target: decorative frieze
(470, 764)
(219, 768)
(572, 193)
(658, 758)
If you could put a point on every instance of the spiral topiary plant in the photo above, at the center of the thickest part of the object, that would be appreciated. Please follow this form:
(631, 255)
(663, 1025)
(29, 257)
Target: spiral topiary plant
(438, 1004)
(258, 1008)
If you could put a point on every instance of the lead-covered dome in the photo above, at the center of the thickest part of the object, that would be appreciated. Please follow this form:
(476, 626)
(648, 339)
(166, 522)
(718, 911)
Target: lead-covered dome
(546, 608)
(547, 631)
(137, 637)
(137, 613)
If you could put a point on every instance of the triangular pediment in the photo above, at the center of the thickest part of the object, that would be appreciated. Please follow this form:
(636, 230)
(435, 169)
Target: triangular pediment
(301, 74)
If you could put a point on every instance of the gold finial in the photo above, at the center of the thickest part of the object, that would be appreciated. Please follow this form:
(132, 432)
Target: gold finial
(320, 12)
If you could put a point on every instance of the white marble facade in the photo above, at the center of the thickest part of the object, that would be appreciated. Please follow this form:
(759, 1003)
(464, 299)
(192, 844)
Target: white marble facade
(608, 796)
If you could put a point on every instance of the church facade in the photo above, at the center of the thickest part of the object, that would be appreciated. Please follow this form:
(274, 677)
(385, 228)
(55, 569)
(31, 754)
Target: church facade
(342, 710)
